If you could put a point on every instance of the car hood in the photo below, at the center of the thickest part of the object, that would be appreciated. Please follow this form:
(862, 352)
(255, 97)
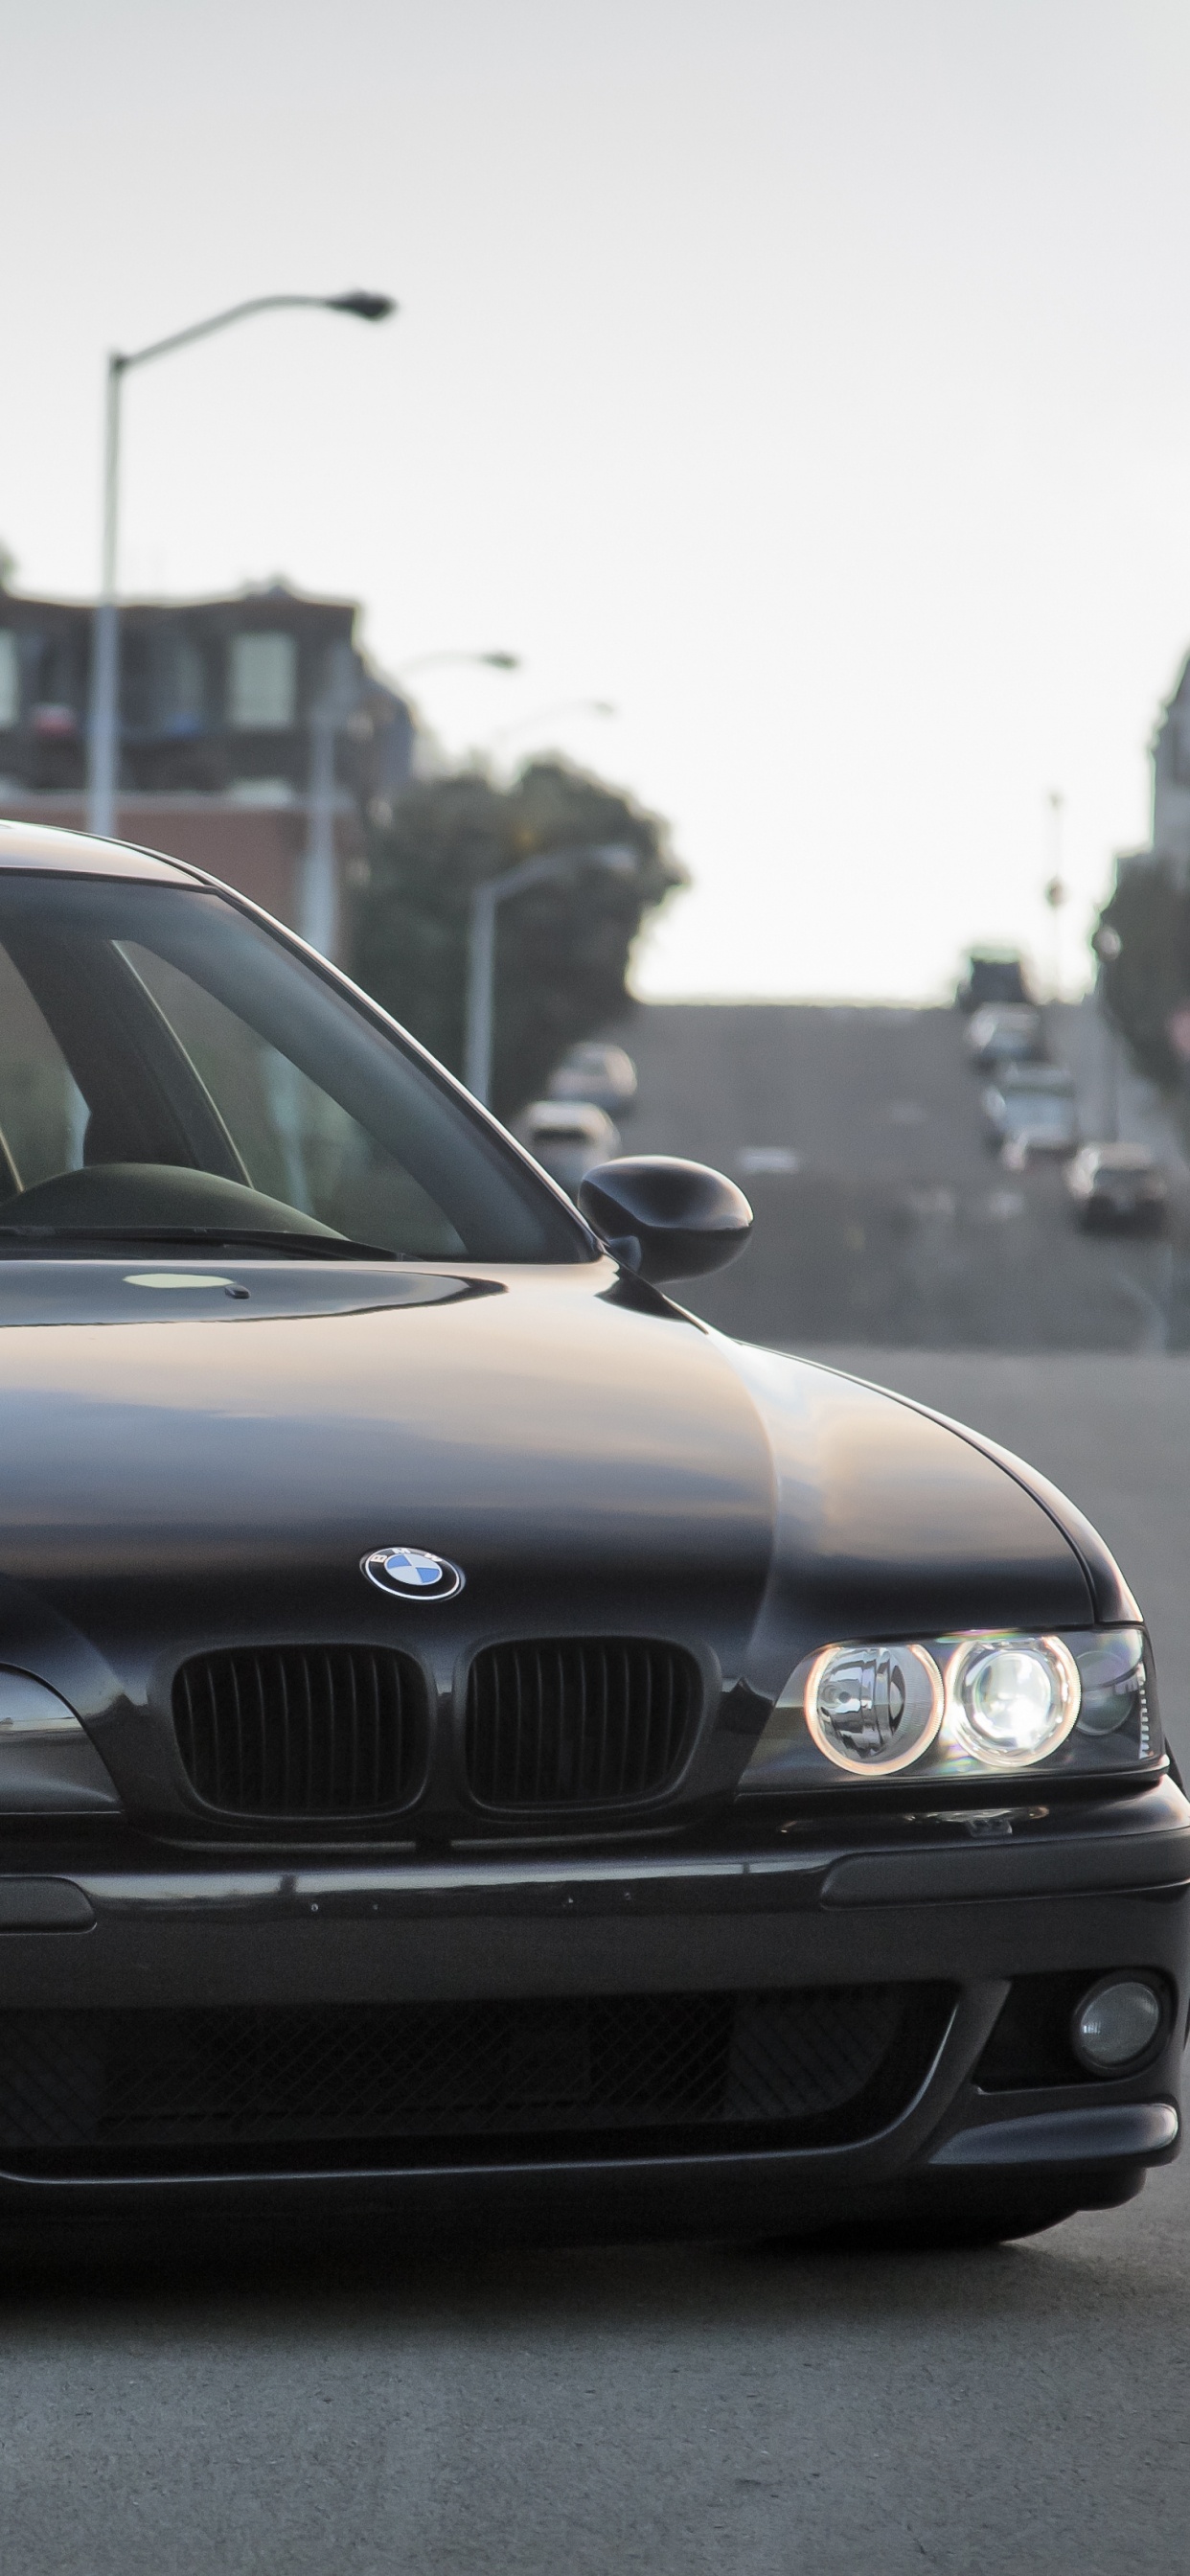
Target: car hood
(182, 1470)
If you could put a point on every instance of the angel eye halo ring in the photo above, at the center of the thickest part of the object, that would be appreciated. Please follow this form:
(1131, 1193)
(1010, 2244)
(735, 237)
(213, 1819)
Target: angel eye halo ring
(873, 1709)
(952, 1707)
(1013, 1699)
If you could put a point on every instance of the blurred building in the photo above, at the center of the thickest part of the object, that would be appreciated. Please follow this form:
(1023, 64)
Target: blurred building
(1170, 750)
(255, 737)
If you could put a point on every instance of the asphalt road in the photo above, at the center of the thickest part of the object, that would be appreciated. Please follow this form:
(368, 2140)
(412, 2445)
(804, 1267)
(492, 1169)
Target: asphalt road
(881, 1216)
(685, 2412)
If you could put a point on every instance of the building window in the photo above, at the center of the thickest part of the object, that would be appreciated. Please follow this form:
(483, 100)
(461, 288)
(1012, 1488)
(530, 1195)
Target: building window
(10, 678)
(57, 678)
(189, 682)
(262, 683)
(182, 689)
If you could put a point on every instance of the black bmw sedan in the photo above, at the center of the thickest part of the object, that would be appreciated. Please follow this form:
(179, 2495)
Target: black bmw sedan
(474, 1740)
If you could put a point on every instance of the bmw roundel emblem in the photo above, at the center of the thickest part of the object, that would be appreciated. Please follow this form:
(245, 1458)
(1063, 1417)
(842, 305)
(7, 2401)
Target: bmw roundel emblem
(412, 1574)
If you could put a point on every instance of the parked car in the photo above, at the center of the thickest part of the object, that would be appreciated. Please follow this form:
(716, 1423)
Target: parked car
(1006, 1033)
(993, 975)
(1031, 1109)
(474, 1743)
(568, 1138)
(591, 1071)
(1118, 1185)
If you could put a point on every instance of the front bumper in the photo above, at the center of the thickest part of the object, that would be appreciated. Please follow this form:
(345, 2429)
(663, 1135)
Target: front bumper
(959, 1907)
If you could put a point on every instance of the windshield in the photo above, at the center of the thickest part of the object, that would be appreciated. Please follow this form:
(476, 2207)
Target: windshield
(170, 1068)
(1050, 1111)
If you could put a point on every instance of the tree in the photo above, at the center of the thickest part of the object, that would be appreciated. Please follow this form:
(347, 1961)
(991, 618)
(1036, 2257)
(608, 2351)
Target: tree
(562, 950)
(1148, 979)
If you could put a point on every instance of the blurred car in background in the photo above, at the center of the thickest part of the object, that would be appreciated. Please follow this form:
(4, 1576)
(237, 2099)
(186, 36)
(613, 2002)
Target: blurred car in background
(993, 975)
(603, 1075)
(1031, 1109)
(1118, 1185)
(568, 1138)
(1006, 1033)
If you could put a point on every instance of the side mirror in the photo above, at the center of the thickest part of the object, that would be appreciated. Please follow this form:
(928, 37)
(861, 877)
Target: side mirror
(663, 1218)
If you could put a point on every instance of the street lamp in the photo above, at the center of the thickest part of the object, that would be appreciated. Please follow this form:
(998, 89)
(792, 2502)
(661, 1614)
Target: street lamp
(548, 715)
(103, 729)
(477, 661)
(552, 868)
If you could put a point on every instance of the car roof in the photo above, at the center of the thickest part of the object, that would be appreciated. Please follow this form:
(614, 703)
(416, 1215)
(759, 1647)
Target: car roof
(561, 1117)
(1120, 1158)
(591, 1051)
(78, 854)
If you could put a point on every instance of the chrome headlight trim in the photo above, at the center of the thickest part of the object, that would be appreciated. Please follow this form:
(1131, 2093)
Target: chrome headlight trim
(1045, 1654)
(1104, 1719)
(827, 1731)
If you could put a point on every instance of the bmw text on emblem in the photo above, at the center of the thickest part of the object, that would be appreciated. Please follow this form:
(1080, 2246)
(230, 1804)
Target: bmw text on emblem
(412, 1574)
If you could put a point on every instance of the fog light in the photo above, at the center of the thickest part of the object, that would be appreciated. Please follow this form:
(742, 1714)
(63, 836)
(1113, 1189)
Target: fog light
(1116, 2022)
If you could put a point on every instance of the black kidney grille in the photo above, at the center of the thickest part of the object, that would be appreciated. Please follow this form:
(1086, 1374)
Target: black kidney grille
(824, 2060)
(306, 1731)
(578, 1721)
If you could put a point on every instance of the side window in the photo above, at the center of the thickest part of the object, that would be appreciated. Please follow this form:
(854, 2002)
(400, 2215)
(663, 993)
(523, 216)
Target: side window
(42, 1112)
(262, 683)
(10, 679)
(296, 1142)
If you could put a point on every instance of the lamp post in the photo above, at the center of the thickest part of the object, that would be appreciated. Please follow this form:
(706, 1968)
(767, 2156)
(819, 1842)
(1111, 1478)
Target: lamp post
(104, 720)
(1108, 946)
(1056, 891)
(552, 868)
(337, 697)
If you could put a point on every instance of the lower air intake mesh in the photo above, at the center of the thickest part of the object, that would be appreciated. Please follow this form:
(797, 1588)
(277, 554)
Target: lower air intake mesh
(302, 1731)
(578, 1721)
(823, 2063)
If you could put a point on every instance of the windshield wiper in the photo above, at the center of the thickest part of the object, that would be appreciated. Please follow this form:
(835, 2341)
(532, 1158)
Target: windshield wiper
(291, 1247)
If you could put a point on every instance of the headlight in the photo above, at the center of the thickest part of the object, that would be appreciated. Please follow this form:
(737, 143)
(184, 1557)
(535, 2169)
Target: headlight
(874, 1708)
(1014, 1699)
(954, 1708)
(1115, 1684)
(48, 1763)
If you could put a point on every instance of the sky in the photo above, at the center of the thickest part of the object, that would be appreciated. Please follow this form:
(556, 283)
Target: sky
(808, 379)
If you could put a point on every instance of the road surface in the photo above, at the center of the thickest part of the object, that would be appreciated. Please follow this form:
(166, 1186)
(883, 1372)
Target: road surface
(678, 2412)
(881, 1216)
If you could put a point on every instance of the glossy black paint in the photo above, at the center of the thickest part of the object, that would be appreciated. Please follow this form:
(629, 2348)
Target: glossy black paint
(665, 1218)
(185, 1472)
(139, 1923)
(178, 1480)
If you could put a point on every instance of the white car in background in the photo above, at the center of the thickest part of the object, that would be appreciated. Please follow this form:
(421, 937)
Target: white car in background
(1006, 1033)
(603, 1075)
(1031, 1109)
(568, 1138)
